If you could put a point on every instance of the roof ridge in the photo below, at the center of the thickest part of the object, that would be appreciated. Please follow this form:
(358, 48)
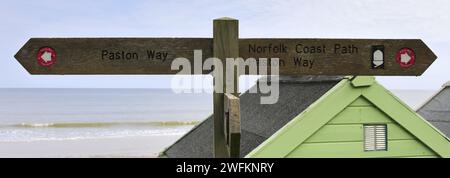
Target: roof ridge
(446, 84)
(429, 99)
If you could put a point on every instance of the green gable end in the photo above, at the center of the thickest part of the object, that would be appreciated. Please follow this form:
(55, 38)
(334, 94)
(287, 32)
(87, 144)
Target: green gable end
(334, 126)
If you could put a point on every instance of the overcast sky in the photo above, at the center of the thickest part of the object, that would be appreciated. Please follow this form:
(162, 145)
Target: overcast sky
(428, 20)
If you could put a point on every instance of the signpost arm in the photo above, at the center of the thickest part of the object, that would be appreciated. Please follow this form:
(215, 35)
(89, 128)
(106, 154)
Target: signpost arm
(225, 45)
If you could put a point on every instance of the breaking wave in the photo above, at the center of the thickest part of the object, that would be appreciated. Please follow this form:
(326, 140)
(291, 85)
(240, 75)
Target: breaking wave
(102, 124)
(28, 132)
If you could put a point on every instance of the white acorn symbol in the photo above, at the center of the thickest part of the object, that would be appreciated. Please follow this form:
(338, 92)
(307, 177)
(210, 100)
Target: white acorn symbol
(378, 58)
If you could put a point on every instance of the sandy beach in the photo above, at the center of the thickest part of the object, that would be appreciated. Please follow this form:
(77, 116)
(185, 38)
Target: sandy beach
(140, 147)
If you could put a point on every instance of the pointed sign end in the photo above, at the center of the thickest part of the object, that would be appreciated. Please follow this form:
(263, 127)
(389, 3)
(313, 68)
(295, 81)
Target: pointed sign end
(430, 57)
(429, 52)
(20, 56)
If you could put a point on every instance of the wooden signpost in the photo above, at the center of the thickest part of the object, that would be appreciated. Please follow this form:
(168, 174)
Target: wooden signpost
(65, 56)
(225, 45)
(297, 56)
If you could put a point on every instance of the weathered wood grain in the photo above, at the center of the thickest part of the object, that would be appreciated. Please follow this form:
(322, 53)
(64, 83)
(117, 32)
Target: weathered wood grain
(353, 57)
(232, 125)
(225, 45)
(85, 55)
(325, 60)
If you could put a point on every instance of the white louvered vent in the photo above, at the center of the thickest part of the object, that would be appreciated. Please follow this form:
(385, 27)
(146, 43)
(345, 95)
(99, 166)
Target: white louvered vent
(375, 138)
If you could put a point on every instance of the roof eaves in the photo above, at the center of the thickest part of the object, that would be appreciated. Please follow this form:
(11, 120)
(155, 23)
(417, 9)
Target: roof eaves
(163, 153)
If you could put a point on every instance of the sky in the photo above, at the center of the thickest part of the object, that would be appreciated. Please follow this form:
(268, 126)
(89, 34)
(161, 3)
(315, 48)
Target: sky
(428, 20)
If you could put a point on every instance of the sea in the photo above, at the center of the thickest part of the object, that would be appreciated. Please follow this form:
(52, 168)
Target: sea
(106, 122)
(35, 117)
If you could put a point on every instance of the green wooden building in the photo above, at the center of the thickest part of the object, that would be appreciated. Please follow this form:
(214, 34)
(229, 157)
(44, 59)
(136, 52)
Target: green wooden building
(356, 118)
(323, 116)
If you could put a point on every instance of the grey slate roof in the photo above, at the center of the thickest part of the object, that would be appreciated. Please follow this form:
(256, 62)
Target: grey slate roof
(437, 110)
(258, 122)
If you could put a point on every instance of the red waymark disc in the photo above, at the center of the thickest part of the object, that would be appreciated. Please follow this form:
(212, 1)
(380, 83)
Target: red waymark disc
(46, 56)
(405, 57)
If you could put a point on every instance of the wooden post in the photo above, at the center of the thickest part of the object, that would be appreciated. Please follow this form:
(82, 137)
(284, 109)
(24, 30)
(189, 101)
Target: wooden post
(232, 125)
(225, 45)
